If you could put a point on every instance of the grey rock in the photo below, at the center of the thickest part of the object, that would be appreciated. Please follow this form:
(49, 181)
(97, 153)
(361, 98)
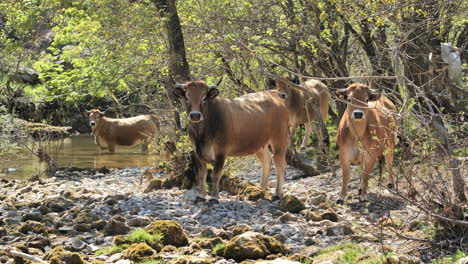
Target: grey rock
(76, 244)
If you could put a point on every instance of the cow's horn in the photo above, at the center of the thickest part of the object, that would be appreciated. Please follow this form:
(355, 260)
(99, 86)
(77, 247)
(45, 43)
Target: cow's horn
(176, 84)
(375, 91)
(87, 111)
(215, 85)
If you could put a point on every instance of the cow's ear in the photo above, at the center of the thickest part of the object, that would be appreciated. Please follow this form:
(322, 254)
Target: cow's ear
(179, 92)
(374, 95)
(212, 93)
(342, 94)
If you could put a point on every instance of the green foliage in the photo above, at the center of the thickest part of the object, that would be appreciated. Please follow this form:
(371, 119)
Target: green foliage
(219, 248)
(452, 258)
(142, 236)
(111, 250)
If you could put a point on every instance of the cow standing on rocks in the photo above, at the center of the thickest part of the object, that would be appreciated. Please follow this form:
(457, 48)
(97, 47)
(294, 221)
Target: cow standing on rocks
(366, 133)
(243, 126)
(301, 101)
(109, 132)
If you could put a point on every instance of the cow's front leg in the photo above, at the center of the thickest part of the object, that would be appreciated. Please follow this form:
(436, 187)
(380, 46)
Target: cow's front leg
(216, 176)
(112, 147)
(202, 172)
(345, 162)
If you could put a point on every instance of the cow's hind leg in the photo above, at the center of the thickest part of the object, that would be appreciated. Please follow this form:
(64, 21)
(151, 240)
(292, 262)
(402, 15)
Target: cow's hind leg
(144, 145)
(308, 132)
(388, 166)
(111, 147)
(263, 155)
(279, 157)
(216, 177)
(369, 163)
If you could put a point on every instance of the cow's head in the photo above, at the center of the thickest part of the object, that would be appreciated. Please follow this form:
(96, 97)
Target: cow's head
(195, 95)
(358, 95)
(94, 116)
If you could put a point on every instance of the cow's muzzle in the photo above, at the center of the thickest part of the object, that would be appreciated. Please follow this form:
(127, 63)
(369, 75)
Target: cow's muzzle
(195, 117)
(358, 114)
(92, 123)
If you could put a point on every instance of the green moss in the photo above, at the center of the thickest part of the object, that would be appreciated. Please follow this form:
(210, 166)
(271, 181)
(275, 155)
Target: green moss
(253, 245)
(219, 248)
(168, 248)
(33, 226)
(172, 233)
(111, 250)
(150, 261)
(210, 242)
(240, 229)
(59, 255)
(95, 261)
(252, 193)
(139, 252)
(191, 260)
(452, 258)
(301, 258)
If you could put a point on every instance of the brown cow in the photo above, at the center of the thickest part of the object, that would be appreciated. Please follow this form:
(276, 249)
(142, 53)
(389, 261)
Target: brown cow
(366, 132)
(297, 97)
(109, 132)
(246, 125)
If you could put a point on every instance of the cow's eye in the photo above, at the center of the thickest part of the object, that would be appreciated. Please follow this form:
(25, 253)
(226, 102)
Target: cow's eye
(367, 100)
(349, 100)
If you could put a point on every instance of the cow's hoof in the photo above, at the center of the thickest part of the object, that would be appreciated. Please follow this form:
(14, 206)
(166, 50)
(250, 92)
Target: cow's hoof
(200, 200)
(340, 201)
(213, 201)
(359, 191)
(390, 185)
(276, 198)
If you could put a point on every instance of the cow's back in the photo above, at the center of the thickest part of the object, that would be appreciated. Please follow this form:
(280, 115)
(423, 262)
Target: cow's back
(250, 122)
(127, 131)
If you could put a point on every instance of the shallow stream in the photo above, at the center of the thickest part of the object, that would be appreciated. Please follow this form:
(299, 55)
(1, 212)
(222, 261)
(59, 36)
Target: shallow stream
(75, 151)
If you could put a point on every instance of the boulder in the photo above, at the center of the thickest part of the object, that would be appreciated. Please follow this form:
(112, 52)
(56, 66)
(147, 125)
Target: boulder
(59, 255)
(115, 227)
(139, 252)
(172, 232)
(253, 245)
(290, 203)
(34, 227)
(240, 229)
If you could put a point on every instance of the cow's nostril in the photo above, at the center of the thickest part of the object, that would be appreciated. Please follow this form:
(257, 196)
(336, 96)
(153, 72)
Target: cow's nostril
(92, 123)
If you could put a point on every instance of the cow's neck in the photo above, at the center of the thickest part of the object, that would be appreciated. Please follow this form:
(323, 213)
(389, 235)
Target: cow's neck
(358, 128)
(99, 126)
(205, 131)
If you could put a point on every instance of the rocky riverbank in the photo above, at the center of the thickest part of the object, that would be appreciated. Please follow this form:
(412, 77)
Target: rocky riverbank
(104, 216)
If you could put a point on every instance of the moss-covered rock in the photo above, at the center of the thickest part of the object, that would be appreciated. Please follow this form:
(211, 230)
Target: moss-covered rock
(59, 255)
(291, 204)
(96, 261)
(168, 248)
(252, 245)
(172, 232)
(121, 240)
(191, 260)
(300, 258)
(329, 215)
(139, 252)
(33, 226)
(313, 216)
(252, 193)
(210, 243)
(99, 224)
(154, 184)
(240, 229)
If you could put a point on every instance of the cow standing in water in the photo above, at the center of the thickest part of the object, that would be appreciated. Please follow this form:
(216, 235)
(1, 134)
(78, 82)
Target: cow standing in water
(109, 132)
(366, 133)
(246, 125)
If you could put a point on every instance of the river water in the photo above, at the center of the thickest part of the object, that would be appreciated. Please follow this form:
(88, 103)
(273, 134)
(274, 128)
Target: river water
(75, 151)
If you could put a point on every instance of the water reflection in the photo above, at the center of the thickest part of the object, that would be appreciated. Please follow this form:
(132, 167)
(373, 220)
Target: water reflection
(77, 151)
